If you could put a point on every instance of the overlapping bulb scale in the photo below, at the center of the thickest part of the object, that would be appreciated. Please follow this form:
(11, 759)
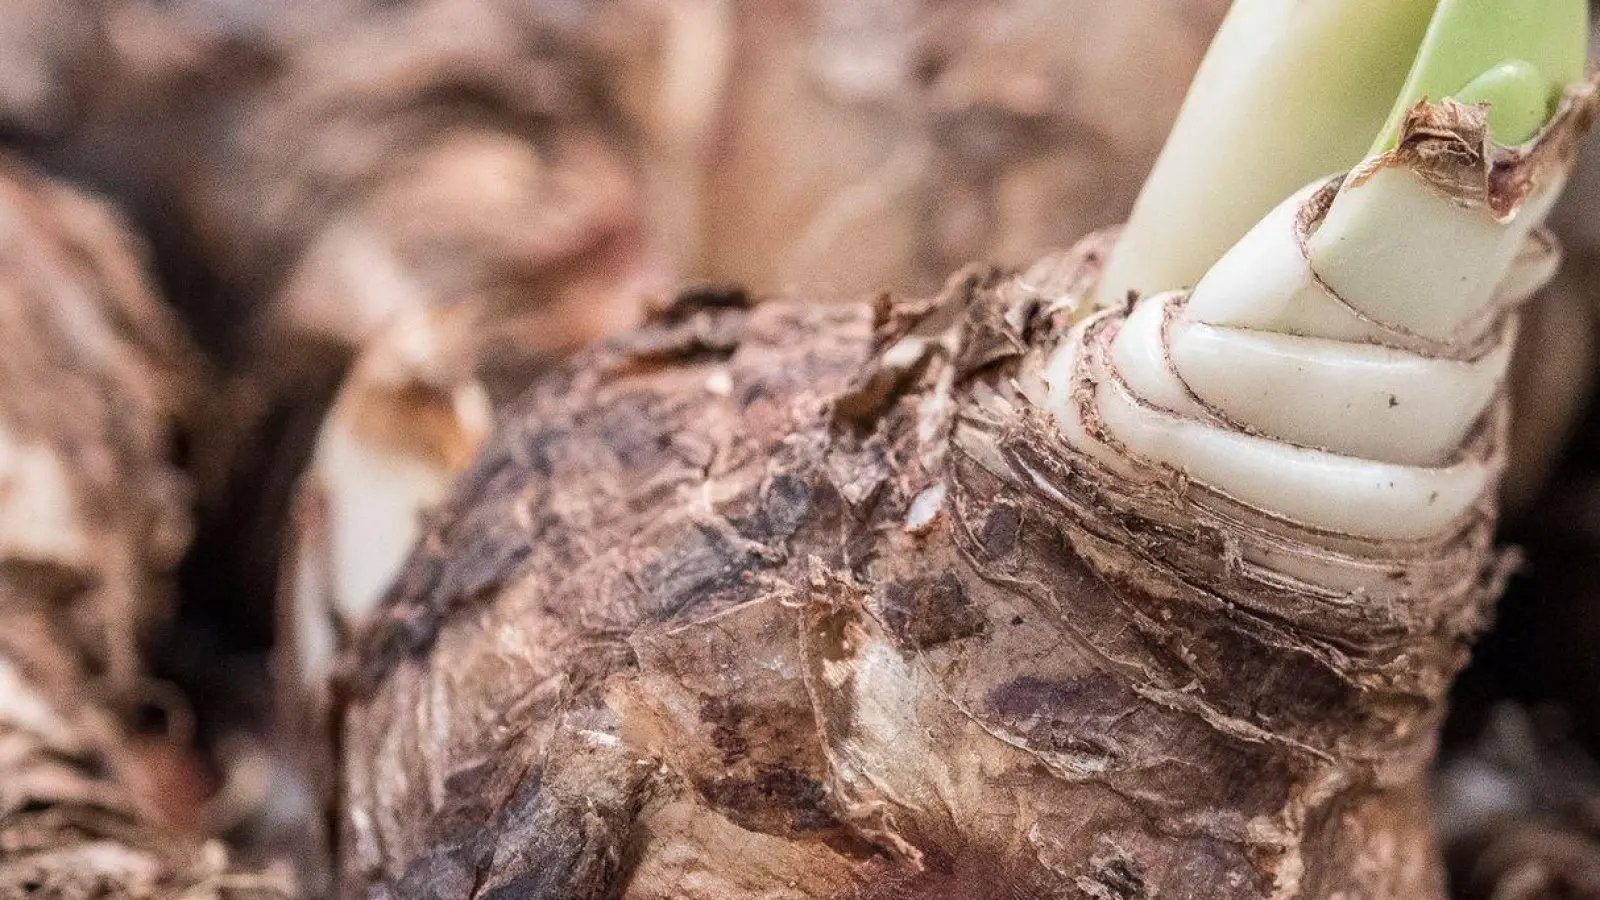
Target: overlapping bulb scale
(1338, 372)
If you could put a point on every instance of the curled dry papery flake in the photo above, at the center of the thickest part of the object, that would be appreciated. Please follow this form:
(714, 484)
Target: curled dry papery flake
(94, 386)
(1448, 145)
(406, 421)
(408, 417)
(660, 644)
(1445, 144)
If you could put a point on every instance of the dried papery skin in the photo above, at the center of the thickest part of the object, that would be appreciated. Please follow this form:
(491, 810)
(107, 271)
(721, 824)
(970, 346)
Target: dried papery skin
(85, 808)
(409, 417)
(95, 387)
(811, 602)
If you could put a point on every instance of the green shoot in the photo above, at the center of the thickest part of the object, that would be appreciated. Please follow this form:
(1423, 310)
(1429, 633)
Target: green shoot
(1293, 91)
(1289, 92)
(1519, 97)
(1516, 55)
(1334, 375)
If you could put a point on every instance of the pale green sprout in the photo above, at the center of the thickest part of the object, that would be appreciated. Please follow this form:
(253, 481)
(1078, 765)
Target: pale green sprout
(1390, 239)
(1517, 55)
(1263, 118)
(1519, 98)
(1330, 363)
(1294, 90)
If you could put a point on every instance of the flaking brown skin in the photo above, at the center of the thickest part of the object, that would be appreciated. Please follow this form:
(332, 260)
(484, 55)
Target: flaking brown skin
(808, 602)
(96, 391)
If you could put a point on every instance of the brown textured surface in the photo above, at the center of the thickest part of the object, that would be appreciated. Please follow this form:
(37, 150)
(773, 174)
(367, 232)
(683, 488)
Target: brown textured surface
(1519, 809)
(402, 158)
(98, 377)
(1020, 147)
(310, 168)
(657, 646)
(94, 392)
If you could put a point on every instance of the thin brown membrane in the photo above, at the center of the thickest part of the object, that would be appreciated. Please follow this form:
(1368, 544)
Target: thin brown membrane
(1448, 145)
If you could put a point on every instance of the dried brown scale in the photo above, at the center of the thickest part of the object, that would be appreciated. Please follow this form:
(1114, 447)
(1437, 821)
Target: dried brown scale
(1448, 143)
(657, 646)
(397, 160)
(82, 812)
(95, 388)
(101, 381)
